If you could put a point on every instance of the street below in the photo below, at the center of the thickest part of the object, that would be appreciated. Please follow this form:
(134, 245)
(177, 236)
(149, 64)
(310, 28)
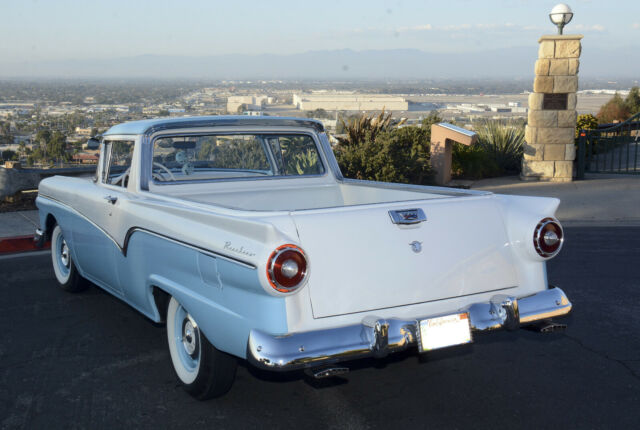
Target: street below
(90, 361)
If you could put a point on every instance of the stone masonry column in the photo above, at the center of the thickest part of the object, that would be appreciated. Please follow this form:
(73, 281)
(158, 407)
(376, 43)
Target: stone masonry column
(549, 136)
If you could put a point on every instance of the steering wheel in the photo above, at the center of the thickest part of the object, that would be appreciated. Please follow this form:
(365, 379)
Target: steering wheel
(159, 175)
(122, 179)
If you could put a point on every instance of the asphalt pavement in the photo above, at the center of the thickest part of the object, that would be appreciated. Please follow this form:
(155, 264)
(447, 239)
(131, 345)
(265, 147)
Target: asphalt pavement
(600, 199)
(90, 361)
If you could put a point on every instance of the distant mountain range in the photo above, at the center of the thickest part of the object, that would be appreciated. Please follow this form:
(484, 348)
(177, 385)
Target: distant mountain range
(345, 64)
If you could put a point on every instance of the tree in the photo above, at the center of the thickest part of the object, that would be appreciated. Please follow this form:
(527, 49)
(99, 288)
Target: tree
(9, 155)
(614, 110)
(632, 102)
(433, 118)
(318, 113)
(43, 137)
(586, 122)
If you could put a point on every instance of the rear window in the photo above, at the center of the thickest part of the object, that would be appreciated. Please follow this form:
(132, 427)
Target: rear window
(188, 158)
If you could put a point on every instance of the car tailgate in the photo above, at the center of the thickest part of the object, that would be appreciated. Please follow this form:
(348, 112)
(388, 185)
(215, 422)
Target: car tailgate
(361, 261)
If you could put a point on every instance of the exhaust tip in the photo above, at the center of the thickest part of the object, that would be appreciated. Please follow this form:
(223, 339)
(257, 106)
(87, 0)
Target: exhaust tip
(547, 326)
(326, 372)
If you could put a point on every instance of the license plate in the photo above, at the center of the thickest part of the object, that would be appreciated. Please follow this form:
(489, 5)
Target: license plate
(448, 330)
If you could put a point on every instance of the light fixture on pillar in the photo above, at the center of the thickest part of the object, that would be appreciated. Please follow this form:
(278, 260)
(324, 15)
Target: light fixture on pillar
(561, 15)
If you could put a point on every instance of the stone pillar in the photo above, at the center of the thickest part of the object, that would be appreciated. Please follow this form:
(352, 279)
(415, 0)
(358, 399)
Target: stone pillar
(549, 136)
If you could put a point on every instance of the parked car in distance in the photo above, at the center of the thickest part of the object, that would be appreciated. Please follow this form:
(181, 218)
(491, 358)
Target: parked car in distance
(241, 234)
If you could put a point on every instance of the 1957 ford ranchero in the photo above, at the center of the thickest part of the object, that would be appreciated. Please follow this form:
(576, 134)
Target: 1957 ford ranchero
(242, 235)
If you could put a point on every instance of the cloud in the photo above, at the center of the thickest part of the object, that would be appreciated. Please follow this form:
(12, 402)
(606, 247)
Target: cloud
(425, 27)
(636, 25)
(509, 26)
(454, 27)
(595, 27)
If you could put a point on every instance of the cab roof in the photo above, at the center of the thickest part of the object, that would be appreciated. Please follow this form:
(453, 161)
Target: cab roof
(149, 126)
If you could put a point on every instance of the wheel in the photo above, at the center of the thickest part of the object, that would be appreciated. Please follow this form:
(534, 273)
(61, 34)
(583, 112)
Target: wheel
(204, 371)
(65, 270)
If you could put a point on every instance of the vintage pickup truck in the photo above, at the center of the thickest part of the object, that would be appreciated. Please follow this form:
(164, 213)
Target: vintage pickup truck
(243, 236)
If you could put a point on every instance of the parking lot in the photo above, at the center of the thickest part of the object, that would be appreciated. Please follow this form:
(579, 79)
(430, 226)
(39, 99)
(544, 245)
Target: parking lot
(90, 361)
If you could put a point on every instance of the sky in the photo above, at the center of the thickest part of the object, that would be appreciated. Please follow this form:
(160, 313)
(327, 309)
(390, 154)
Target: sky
(34, 30)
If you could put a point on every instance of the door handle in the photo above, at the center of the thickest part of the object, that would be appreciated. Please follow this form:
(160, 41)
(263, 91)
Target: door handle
(111, 199)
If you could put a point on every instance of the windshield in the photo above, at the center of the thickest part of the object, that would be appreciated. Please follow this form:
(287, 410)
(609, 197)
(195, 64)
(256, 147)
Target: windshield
(220, 156)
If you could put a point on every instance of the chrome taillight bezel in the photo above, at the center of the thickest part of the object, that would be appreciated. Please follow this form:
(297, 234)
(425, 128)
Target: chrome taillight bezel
(538, 233)
(272, 268)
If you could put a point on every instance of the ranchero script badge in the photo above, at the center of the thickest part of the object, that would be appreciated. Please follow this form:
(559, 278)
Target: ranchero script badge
(416, 246)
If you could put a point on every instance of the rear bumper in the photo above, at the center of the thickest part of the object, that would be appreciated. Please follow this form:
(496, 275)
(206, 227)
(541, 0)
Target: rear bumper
(39, 238)
(376, 337)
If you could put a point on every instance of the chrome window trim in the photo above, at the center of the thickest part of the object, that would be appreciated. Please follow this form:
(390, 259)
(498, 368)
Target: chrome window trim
(108, 148)
(123, 249)
(151, 126)
(146, 170)
(330, 156)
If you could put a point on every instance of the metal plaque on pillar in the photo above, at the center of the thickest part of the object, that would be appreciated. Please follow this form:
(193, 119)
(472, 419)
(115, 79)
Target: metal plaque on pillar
(554, 102)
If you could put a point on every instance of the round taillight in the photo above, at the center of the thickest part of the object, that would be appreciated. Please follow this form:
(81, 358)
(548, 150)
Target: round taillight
(548, 237)
(287, 268)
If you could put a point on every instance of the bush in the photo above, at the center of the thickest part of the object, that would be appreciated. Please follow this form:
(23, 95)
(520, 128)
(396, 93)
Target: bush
(498, 151)
(586, 122)
(472, 162)
(397, 155)
(503, 144)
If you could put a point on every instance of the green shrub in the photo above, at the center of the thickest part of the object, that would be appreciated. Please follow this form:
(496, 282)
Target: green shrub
(397, 155)
(472, 162)
(503, 144)
(497, 152)
(586, 122)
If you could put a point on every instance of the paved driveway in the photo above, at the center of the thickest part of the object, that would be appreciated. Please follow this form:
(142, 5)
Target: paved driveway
(89, 361)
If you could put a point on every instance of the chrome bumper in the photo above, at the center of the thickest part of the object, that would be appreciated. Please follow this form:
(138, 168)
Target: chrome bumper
(377, 337)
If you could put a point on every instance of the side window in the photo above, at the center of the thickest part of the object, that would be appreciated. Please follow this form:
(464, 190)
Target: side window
(120, 154)
(296, 155)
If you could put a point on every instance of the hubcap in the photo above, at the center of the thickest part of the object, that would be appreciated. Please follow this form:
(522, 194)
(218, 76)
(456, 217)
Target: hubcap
(190, 336)
(64, 253)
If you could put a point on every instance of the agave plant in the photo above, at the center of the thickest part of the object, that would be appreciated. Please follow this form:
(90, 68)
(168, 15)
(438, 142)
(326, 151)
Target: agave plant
(503, 143)
(364, 126)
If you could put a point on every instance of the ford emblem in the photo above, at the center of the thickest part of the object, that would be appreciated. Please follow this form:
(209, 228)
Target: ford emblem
(416, 246)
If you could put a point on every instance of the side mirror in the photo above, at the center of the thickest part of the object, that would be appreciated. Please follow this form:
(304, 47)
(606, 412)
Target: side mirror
(93, 143)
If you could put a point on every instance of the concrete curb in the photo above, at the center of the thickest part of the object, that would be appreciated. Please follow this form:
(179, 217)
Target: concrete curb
(18, 244)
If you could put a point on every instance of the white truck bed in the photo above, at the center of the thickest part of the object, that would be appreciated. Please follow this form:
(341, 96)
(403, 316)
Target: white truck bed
(293, 198)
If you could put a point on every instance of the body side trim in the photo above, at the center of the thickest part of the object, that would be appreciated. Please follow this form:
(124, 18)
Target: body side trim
(123, 249)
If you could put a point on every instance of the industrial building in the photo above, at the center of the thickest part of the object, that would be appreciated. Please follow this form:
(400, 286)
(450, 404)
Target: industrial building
(254, 102)
(350, 102)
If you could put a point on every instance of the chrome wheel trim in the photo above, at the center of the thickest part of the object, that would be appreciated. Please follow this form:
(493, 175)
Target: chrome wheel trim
(190, 337)
(186, 365)
(64, 253)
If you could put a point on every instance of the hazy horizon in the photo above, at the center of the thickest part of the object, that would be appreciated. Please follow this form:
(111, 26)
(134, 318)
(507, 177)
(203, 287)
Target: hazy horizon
(342, 64)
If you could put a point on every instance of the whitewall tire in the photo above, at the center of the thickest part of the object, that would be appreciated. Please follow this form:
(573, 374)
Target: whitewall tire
(63, 266)
(204, 371)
